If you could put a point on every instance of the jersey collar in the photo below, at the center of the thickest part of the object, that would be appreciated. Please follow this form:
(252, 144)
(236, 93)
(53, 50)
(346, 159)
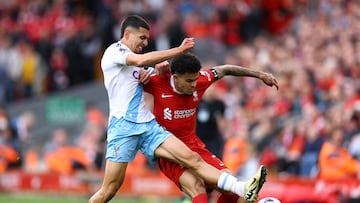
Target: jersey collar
(172, 84)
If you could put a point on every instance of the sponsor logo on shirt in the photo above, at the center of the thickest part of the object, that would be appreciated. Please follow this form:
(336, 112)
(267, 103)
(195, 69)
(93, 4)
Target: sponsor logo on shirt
(136, 74)
(178, 114)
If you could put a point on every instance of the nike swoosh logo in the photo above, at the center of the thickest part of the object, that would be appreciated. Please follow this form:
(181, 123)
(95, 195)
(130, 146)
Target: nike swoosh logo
(166, 95)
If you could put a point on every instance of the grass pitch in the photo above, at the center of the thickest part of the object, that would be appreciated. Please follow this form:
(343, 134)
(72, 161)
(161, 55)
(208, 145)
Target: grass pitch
(40, 198)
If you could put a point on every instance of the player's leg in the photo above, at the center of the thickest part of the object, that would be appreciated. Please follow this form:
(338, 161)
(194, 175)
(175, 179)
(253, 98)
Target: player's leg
(194, 187)
(122, 146)
(224, 197)
(159, 142)
(173, 149)
(228, 197)
(186, 181)
(113, 179)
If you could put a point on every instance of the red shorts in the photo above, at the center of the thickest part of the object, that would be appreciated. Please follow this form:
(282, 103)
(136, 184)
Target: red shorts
(173, 170)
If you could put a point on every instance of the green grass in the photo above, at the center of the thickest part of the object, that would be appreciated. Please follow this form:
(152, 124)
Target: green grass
(37, 198)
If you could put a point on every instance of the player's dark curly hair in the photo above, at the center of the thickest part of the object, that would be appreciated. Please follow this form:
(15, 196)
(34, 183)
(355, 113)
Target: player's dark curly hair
(186, 63)
(134, 21)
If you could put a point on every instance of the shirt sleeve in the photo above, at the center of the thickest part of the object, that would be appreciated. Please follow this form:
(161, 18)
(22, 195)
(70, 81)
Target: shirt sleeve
(210, 75)
(117, 55)
(121, 55)
(206, 79)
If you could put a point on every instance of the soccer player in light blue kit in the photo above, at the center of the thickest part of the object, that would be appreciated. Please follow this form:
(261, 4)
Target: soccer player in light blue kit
(132, 126)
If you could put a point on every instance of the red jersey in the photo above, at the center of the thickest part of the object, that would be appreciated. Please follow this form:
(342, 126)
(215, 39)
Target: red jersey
(175, 111)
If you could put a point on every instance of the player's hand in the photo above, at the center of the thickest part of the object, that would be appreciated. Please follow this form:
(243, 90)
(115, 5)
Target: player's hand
(144, 76)
(269, 80)
(187, 44)
(162, 68)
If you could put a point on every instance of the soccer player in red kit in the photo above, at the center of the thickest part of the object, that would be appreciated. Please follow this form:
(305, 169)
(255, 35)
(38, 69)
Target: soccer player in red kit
(176, 98)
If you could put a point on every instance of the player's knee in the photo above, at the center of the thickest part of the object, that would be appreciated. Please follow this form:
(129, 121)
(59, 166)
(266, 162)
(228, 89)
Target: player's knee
(199, 186)
(191, 184)
(193, 161)
(98, 197)
(104, 194)
(111, 191)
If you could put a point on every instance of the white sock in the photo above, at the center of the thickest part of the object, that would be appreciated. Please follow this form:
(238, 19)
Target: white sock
(230, 183)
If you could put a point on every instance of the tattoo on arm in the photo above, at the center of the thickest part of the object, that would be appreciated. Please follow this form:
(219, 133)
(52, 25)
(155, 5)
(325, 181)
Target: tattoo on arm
(236, 71)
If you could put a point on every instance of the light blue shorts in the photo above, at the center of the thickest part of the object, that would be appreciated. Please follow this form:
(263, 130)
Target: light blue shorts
(125, 138)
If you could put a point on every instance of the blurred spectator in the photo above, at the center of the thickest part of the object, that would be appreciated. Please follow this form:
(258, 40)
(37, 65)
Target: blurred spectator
(276, 15)
(5, 45)
(210, 122)
(292, 141)
(10, 148)
(354, 146)
(33, 72)
(14, 70)
(234, 17)
(90, 44)
(57, 76)
(23, 124)
(93, 137)
(240, 156)
(335, 161)
(92, 143)
(235, 153)
(63, 158)
(313, 144)
(352, 124)
(252, 163)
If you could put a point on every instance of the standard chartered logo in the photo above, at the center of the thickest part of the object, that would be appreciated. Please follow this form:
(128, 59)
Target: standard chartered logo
(167, 114)
(178, 114)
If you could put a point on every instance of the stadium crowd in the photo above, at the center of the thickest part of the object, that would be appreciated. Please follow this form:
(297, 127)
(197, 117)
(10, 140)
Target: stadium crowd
(310, 127)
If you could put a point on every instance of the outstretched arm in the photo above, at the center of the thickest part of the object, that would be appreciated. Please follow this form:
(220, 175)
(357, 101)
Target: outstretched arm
(155, 57)
(234, 70)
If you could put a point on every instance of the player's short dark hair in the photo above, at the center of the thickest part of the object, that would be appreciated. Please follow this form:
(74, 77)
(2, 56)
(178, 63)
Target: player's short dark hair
(134, 21)
(186, 63)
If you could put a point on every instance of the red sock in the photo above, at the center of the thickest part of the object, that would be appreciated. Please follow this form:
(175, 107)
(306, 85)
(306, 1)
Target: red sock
(201, 198)
(227, 198)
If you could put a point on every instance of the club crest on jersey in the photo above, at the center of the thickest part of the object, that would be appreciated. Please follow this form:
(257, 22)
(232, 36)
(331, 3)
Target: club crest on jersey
(195, 94)
(121, 49)
(116, 151)
(206, 74)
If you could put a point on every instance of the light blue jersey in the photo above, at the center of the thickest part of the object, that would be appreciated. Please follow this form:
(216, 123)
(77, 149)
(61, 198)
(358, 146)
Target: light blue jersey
(132, 126)
(126, 95)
